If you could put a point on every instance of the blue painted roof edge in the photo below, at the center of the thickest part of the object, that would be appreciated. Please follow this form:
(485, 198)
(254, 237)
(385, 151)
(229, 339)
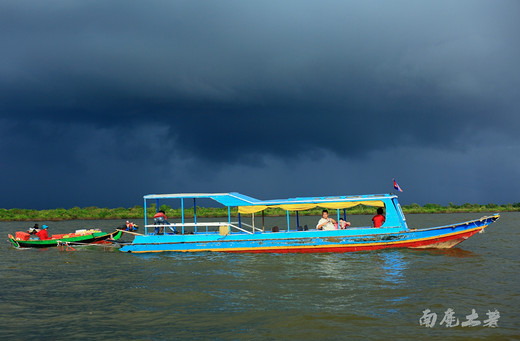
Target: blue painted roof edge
(237, 199)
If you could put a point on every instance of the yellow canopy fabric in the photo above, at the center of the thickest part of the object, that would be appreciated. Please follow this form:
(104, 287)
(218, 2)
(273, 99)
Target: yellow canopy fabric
(303, 207)
(296, 207)
(340, 205)
(251, 209)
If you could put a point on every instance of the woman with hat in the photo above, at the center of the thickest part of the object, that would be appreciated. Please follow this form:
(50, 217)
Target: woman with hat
(42, 234)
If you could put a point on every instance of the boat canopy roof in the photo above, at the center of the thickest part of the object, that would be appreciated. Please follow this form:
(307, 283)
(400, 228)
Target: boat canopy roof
(226, 199)
(248, 204)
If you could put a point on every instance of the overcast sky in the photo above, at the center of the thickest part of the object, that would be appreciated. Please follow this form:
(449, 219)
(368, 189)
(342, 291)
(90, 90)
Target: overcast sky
(102, 102)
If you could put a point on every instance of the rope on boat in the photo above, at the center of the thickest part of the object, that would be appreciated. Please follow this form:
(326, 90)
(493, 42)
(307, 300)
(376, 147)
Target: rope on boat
(130, 232)
(62, 244)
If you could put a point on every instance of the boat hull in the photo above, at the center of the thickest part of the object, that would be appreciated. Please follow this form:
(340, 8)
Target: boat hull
(349, 240)
(78, 240)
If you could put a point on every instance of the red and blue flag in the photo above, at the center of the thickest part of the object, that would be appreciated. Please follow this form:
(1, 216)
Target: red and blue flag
(397, 187)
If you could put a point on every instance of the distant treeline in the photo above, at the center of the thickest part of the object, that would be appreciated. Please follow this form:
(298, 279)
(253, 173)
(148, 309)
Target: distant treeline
(137, 212)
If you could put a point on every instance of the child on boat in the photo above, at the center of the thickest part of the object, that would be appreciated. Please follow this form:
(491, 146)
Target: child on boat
(326, 223)
(343, 224)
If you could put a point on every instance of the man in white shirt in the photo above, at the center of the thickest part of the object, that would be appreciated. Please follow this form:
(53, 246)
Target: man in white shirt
(325, 222)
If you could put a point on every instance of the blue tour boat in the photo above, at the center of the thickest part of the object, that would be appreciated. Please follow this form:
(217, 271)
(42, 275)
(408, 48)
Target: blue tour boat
(237, 236)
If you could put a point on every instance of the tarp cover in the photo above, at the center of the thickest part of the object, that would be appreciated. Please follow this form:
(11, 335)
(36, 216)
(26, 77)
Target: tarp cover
(304, 207)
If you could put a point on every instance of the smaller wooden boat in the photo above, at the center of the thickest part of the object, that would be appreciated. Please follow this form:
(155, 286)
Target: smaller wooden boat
(82, 237)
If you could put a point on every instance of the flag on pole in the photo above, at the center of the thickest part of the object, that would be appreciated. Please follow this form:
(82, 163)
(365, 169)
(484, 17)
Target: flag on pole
(397, 187)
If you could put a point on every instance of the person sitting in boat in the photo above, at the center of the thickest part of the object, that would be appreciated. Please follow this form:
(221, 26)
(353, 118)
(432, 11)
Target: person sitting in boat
(34, 229)
(326, 223)
(42, 234)
(379, 219)
(343, 224)
(130, 226)
(160, 219)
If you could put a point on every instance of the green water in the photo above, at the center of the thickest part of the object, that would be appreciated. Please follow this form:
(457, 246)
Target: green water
(99, 293)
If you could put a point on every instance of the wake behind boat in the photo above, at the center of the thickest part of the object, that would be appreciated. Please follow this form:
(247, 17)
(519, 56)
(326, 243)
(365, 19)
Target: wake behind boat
(80, 237)
(228, 236)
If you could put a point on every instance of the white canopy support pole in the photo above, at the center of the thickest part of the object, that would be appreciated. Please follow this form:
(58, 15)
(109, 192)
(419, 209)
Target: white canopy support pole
(229, 214)
(195, 213)
(263, 221)
(182, 214)
(145, 219)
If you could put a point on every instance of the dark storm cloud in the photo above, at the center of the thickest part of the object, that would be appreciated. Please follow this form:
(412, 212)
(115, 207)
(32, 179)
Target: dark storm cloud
(233, 82)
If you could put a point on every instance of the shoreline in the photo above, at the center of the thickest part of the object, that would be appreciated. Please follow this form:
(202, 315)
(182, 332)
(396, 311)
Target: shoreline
(137, 212)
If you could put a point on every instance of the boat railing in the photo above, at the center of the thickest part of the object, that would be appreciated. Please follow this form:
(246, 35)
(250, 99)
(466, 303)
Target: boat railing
(207, 225)
(253, 227)
(240, 229)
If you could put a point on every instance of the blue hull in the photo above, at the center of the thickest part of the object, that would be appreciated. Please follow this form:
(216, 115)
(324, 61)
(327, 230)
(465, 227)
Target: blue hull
(349, 240)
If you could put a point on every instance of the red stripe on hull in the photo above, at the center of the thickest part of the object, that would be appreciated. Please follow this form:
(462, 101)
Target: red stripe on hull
(441, 242)
(444, 243)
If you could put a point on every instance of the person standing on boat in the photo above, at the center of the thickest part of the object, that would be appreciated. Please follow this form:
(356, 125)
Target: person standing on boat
(42, 234)
(326, 223)
(160, 219)
(379, 219)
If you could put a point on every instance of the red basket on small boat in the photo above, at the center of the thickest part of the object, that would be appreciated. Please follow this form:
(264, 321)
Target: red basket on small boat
(22, 236)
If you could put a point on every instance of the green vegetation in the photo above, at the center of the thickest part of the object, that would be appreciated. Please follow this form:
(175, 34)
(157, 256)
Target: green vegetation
(137, 212)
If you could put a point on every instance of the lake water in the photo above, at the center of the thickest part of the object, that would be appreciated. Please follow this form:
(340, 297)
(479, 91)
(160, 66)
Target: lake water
(100, 293)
